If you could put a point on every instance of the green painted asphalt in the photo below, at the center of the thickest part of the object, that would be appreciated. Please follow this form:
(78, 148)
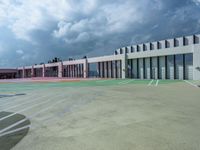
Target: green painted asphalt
(16, 87)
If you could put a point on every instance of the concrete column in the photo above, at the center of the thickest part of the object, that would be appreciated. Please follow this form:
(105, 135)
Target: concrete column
(78, 71)
(70, 71)
(23, 72)
(196, 62)
(141, 69)
(60, 70)
(124, 66)
(85, 69)
(105, 70)
(162, 73)
(110, 69)
(114, 69)
(147, 67)
(154, 68)
(101, 70)
(32, 72)
(98, 69)
(43, 70)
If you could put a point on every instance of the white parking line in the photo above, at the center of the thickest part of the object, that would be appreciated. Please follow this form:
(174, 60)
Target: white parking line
(100, 81)
(26, 102)
(7, 100)
(27, 108)
(13, 125)
(157, 83)
(15, 130)
(23, 120)
(126, 82)
(150, 82)
(23, 102)
(122, 82)
(191, 83)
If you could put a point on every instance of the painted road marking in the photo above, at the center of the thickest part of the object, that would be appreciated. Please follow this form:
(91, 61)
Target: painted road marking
(191, 83)
(21, 101)
(123, 82)
(100, 81)
(13, 99)
(25, 119)
(126, 82)
(9, 99)
(157, 83)
(15, 130)
(13, 125)
(27, 102)
(150, 82)
(27, 108)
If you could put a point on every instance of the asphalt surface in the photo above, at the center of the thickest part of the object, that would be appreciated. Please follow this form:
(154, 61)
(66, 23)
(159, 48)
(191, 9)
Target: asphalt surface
(101, 115)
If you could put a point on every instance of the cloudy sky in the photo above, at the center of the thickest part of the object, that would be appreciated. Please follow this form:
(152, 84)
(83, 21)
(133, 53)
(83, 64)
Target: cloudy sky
(34, 31)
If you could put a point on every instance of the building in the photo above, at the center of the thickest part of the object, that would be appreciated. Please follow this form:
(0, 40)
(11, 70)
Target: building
(177, 58)
(8, 73)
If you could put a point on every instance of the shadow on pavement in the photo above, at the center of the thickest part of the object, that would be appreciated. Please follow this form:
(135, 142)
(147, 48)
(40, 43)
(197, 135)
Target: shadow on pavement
(11, 95)
(12, 129)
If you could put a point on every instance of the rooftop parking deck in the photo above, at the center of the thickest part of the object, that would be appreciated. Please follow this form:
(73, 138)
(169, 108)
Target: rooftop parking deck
(106, 114)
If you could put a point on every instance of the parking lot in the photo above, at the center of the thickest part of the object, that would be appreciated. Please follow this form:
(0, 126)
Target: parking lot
(106, 114)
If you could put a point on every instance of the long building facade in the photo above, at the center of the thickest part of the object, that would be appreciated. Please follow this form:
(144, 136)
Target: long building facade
(177, 58)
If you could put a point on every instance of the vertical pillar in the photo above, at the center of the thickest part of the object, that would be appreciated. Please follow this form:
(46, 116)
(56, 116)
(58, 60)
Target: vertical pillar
(151, 72)
(184, 67)
(101, 70)
(174, 67)
(32, 72)
(158, 67)
(43, 70)
(166, 73)
(60, 70)
(116, 69)
(98, 69)
(124, 66)
(77, 70)
(138, 75)
(105, 69)
(85, 68)
(23, 72)
(196, 62)
(111, 69)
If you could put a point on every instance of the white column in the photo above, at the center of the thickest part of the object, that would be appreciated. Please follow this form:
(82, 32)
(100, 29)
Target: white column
(147, 66)
(124, 66)
(60, 70)
(196, 62)
(43, 70)
(114, 69)
(85, 69)
(32, 72)
(105, 69)
(23, 72)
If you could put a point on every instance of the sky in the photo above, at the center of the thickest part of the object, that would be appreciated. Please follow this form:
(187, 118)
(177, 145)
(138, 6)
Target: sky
(35, 31)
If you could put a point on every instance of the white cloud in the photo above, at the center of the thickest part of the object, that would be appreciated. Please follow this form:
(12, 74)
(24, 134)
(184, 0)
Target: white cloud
(25, 16)
(82, 37)
(197, 2)
(63, 28)
(20, 52)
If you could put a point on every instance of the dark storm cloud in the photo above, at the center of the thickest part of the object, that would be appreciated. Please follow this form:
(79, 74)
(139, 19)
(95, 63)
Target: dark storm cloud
(36, 31)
